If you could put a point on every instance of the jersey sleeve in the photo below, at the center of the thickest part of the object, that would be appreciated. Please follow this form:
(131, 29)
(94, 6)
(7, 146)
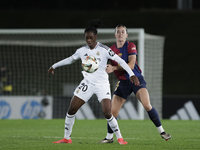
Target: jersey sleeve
(67, 61)
(111, 54)
(132, 49)
(76, 55)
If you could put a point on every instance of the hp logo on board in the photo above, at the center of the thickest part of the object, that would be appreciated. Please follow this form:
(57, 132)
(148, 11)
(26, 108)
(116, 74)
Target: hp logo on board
(5, 110)
(31, 109)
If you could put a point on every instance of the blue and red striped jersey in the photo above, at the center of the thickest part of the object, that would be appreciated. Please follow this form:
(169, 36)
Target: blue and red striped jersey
(128, 49)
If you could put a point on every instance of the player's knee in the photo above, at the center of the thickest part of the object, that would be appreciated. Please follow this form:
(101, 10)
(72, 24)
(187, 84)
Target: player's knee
(72, 111)
(147, 107)
(107, 115)
(115, 113)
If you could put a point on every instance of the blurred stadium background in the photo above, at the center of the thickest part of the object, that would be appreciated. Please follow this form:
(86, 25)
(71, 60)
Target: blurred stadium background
(177, 21)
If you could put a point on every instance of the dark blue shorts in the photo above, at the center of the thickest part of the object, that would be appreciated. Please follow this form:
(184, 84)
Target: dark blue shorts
(125, 87)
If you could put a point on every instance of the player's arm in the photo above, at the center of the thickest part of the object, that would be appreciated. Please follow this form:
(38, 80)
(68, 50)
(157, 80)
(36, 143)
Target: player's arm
(126, 67)
(131, 64)
(66, 61)
(63, 62)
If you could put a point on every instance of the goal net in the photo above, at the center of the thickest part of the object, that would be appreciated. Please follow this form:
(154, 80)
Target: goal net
(27, 54)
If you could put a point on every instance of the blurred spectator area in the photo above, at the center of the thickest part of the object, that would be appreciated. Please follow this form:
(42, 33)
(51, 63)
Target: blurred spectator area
(5, 80)
(98, 5)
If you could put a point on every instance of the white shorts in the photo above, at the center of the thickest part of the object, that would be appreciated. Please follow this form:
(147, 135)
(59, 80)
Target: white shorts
(86, 89)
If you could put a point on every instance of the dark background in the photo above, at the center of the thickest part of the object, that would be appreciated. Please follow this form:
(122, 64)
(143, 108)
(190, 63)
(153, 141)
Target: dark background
(179, 24)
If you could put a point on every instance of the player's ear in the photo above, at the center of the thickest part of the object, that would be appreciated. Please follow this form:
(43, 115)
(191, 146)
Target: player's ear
(95, 36)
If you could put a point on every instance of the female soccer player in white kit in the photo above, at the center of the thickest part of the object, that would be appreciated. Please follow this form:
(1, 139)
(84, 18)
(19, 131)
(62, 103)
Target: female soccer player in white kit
(93, 83)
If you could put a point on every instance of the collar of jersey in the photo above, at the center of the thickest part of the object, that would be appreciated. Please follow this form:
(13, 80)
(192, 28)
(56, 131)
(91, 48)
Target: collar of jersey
(94, 47)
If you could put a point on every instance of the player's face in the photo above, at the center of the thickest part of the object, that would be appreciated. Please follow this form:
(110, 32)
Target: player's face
(121, 34)
(90, 38)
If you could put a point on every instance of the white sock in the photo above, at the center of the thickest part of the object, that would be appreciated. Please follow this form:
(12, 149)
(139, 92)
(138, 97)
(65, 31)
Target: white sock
(109, 136)
(114, 126)
(69, 122)
(160, 129)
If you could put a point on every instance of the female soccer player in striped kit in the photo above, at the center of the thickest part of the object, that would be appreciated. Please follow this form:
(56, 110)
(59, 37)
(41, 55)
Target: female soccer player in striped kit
(93, 83)
(127, 51)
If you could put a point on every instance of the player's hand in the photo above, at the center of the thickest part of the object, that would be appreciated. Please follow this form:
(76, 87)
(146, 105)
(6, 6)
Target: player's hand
(135, 80)
(51, 70)
(109, 68)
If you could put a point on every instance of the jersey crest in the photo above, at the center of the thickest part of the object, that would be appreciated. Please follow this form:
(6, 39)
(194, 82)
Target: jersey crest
(98, 53)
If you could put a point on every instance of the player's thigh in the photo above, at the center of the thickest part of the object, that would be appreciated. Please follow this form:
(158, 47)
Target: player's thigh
(117, 103)
(143, 96)
(102, 92)
(75, 104)
(84, 90)
(106, 107)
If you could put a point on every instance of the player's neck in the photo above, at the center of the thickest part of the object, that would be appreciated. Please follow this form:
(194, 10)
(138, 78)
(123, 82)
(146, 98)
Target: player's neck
(93, 46)
(120, 44)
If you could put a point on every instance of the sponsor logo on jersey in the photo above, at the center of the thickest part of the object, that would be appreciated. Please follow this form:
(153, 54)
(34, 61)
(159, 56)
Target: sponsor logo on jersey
(133, 48)
(99, 59)
(108, 93)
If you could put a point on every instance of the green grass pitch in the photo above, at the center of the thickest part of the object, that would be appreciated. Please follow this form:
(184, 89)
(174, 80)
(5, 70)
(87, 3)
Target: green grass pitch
(140, 135)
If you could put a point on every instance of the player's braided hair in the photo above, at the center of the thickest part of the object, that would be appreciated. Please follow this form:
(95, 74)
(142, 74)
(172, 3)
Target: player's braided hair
(93, 25)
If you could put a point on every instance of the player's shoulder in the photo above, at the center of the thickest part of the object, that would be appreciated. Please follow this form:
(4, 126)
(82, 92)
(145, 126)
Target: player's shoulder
(103, 46)
(113, 46)
(81, 49)
(131, 44)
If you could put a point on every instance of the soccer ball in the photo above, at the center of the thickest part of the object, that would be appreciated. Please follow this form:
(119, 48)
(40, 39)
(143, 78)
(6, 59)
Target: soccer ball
(90, 64)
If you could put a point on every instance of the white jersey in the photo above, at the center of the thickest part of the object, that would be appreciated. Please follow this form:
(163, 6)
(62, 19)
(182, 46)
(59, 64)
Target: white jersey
(102, 53)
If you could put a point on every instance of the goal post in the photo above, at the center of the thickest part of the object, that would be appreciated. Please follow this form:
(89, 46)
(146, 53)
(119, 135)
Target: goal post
(28, 53)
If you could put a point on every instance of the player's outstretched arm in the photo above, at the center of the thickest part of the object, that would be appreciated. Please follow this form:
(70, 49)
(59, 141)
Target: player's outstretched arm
(134, 79)
(51, 70)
